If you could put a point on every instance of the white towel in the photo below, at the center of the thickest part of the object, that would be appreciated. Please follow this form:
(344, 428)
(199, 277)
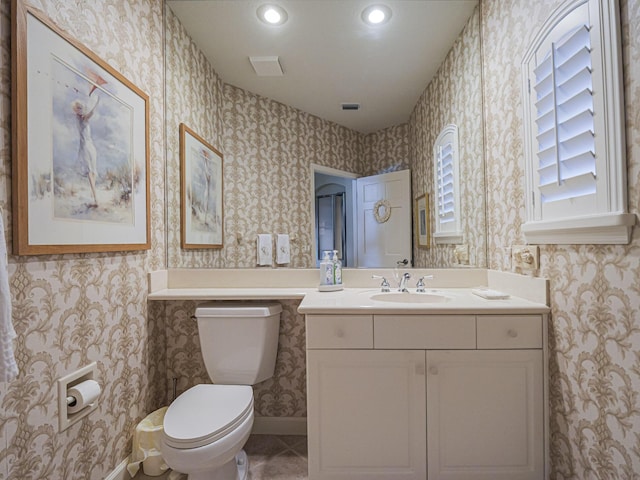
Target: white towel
(8, 367)
(283, 254)
(265, 249)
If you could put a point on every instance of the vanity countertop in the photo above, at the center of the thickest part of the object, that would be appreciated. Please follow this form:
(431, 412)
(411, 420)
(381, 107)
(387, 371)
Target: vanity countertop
(358, 301)
(459, 300)
(528, 295)
(230, 293)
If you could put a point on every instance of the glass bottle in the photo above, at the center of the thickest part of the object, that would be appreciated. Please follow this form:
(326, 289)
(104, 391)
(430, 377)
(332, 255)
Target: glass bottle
(326, 269)
(337, 269)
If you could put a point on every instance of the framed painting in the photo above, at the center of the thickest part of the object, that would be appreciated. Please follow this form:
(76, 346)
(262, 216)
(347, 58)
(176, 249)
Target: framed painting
(80, 146)
(422, 227)
(201, 178)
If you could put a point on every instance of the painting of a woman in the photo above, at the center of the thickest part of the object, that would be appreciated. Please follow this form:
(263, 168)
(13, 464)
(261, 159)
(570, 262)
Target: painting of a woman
(92, 171)
(87, 154)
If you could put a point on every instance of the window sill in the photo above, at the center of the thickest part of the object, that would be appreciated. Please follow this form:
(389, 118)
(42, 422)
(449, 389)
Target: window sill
(447, 238)
(608, 229)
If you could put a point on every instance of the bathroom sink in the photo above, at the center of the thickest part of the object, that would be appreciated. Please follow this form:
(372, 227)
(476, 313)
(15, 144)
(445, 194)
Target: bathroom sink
(405, 297)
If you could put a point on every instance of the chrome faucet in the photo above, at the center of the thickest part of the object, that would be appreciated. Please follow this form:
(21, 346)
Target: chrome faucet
(402, 287)
(384, 286)
(420, 284)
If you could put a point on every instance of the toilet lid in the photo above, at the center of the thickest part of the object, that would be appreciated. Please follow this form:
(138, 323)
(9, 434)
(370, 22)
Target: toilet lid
(205, 413)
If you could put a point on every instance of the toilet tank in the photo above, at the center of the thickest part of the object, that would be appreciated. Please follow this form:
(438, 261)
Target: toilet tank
(239, 341)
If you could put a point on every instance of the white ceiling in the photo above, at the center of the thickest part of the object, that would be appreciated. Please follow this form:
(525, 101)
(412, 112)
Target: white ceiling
(329, 56)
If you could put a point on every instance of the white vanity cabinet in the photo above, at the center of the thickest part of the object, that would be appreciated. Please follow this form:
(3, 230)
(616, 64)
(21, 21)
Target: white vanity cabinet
(485, 416)
(455, 397)
(366, 414)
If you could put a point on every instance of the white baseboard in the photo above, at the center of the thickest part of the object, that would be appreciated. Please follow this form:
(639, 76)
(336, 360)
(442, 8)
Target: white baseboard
(280, 425)
(120, 472)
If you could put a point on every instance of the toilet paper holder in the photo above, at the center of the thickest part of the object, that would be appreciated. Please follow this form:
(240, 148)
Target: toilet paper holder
(66, 415)
(82, 395)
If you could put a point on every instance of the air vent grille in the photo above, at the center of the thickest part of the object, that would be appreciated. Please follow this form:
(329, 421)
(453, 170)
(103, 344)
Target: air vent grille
(267, 66)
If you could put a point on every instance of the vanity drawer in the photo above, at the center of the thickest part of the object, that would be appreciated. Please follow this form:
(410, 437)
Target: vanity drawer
(339, 331)
(425, 331)
(509, 331)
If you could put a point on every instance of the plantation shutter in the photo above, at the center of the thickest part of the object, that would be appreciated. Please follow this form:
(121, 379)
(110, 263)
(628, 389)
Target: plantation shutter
(564, 104)
(575, 175)
(446, 189)
(447, 195)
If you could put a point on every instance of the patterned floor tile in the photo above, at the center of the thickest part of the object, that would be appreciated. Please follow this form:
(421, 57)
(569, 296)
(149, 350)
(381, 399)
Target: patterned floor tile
(282, 457)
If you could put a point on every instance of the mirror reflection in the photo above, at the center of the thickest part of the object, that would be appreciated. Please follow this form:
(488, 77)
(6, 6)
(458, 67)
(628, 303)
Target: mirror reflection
(283, 166)
(333, 214)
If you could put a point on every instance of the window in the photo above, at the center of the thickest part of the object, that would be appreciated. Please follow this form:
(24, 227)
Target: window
(574, 128)
(446, 186)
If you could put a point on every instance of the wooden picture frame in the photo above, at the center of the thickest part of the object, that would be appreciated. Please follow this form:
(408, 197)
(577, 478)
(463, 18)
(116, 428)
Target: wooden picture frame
(80, 146)
(201, 185)
(422, 221)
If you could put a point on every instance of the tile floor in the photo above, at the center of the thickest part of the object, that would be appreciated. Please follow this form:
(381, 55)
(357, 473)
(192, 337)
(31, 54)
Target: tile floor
(281, 457)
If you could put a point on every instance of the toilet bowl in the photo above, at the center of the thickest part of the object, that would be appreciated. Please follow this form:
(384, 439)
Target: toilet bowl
(205, 429)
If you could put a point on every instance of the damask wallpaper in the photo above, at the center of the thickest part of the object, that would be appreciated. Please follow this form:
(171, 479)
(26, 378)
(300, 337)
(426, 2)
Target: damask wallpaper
(595, 364)
(268, 148)
(595, 290)
(387, 150)
(194, 97)
(283, 395)
(454, 96)
(70, 310)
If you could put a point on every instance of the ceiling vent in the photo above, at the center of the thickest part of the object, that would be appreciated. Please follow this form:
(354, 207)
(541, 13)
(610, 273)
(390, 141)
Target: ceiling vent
(266, 66)
(350, 106)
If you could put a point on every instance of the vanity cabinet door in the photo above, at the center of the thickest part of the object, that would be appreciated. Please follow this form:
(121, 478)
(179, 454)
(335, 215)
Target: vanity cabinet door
(366, 414)
(485, 417)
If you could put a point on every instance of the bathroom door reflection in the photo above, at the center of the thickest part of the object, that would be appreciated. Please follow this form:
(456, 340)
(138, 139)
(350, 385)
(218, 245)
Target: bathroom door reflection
(331, 232)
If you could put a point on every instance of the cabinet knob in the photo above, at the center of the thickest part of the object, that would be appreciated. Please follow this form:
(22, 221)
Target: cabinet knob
(339, 333)
(512, 332)
(433, 370)
(419, 368)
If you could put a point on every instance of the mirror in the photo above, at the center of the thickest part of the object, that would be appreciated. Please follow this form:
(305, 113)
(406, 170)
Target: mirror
(269, 149)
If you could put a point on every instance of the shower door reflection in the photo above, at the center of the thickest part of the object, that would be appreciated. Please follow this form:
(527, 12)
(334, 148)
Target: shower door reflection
(331, 231)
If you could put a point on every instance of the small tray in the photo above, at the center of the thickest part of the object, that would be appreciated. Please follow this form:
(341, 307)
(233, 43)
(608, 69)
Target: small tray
(330, 288)
(489, 294)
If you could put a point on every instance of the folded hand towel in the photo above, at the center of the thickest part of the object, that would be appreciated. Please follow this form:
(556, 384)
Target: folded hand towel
(265, 249)
(8, 367)
(283, 254)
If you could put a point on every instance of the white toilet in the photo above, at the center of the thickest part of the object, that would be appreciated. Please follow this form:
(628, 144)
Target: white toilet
(206, 427)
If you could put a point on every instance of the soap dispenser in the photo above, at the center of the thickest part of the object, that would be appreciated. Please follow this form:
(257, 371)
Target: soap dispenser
(337, 269)
(327, 274)
(326, 269)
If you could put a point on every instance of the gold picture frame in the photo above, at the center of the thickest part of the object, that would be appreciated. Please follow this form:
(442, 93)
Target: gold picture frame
(422, 221)
(201, 185)
(80, 135)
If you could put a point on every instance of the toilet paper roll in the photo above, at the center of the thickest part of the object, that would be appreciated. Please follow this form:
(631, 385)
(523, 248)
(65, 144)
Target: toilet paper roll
(85, 393)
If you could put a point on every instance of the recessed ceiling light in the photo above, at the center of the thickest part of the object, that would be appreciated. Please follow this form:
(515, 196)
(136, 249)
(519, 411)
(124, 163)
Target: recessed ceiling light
(272, 14)
(376, 15)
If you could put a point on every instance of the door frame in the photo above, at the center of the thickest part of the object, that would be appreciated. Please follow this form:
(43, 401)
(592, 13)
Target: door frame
(315, 168)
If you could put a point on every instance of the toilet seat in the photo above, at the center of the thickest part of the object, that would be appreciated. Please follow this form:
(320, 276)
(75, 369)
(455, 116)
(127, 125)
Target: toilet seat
(206, 413)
